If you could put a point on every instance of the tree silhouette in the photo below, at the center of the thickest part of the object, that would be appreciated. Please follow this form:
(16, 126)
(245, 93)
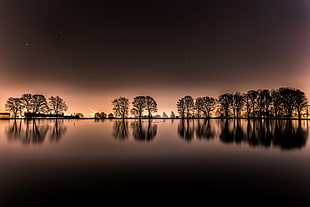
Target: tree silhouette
(165, 116)
(186, 106)
(101, 115)
(277, 105)
(181, 107)
(237, 104)
(27, 102)
(139, 104)
(39, 104)
(172, 115)
(226, 101)
(208, 106)
(13, 105)
(199, 106)
(57, 105)
(264, 100)
(120, 107)
(252, 98)
(150, 106)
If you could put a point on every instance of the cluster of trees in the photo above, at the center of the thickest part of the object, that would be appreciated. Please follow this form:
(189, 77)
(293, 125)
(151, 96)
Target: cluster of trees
(140, 104)
(37, 103)
(279, 103)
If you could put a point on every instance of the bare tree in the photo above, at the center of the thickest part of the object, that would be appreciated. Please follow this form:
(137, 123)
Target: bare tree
(120, 107)
(277, 105)
(238, 102)
(252, 98)
(150, 106)
(264, 100)
(181, 107)
(139, 104)
(39, 104)
(13, 105)
(27, 102)
(209, 104)
(300, 102)
(189, 105)
(199, 106)
(57, 105)
(226, 101)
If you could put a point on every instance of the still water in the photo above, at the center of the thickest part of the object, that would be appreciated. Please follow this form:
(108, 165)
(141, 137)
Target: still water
(217, 160)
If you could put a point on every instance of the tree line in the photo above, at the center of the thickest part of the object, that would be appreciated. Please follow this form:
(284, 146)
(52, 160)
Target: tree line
(283, 102)
(278, 103)
(140, 104)
(35, 104)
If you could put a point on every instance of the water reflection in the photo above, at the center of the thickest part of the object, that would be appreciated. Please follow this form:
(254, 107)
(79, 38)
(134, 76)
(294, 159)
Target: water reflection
(284, 134)
(35, 131)
(58, 131)
(144, 130)
(204, 130)
(120, 129)
(186, 129)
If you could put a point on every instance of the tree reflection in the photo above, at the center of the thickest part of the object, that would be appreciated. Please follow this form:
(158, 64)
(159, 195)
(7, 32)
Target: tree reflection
(58, 130)
(31, 132)
(278, 133)
(142, 132)
(204, 130)
(120, 129)
(186, 129)
(35, 132)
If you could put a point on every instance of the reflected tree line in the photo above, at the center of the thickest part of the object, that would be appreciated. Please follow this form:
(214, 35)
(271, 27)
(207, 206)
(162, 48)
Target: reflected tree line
(35, 132)
(144, 131)
(285, 134)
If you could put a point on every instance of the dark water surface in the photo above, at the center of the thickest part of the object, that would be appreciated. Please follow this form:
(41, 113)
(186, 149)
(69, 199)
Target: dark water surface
(223, 161)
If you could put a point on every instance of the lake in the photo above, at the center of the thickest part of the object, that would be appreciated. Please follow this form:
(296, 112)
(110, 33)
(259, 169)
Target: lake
(209, 160)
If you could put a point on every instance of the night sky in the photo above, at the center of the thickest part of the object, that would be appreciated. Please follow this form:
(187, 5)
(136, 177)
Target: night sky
(90, 52)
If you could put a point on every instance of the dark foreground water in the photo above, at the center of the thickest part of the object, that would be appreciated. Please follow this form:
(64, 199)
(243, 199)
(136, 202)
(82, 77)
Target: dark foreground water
(217, 161)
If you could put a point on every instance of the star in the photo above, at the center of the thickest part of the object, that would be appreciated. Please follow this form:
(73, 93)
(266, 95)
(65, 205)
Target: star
(26, 44)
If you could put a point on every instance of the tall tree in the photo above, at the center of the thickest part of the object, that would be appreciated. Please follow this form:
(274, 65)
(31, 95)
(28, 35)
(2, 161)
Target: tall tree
(13, 105)
(226, 101)
(139, 104)
(120, 107)
(252, 97)
(237, 104)
(301, 102)
(189, 106)
(206, 105)
(199, 106)
(39, 104)
(27, 102)
(57, 105)
(277, 105)
(150, 105)
(181, 107)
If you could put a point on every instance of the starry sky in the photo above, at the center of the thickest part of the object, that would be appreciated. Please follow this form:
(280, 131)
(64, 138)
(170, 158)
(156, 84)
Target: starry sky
(90, 52)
